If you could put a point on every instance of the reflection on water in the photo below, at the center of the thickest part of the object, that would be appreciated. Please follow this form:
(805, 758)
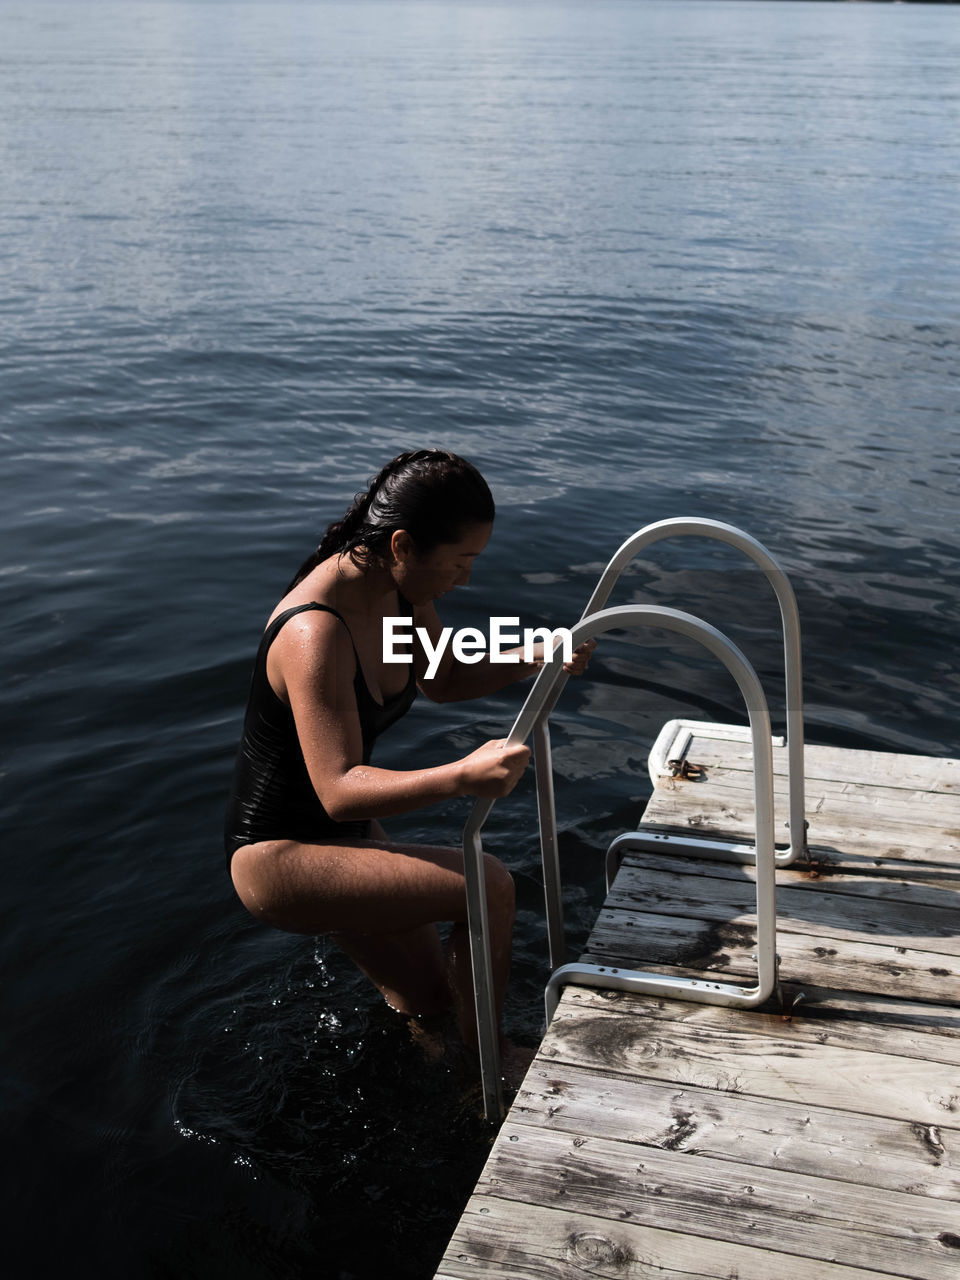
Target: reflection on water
(636, 261)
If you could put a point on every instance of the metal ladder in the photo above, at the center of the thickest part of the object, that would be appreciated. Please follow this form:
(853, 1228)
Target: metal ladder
(533, 719)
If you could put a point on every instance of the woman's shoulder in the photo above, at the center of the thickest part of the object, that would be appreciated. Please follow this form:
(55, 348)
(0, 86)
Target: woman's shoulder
(308, 614)
(306, 622)
(311, 597)
(293, 609)
(310, 645)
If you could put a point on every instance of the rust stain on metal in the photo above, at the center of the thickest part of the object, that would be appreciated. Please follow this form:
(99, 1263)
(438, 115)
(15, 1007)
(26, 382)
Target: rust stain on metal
(687, 771)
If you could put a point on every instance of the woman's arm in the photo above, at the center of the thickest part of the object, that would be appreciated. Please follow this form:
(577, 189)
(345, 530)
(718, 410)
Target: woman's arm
(312, 665)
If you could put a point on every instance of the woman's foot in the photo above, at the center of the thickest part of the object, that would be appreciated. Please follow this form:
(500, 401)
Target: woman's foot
(434, 1034)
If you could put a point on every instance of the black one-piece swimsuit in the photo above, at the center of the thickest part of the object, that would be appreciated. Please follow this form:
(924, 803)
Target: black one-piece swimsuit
(272, 796)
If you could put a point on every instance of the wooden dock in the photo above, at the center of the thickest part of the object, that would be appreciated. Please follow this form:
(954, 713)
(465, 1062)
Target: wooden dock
(818, 1139)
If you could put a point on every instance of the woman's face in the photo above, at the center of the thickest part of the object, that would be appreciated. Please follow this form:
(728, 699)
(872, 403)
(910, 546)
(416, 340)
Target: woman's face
(422, 579)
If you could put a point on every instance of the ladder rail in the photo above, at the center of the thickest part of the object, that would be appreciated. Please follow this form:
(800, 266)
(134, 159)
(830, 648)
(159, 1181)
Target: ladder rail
(792, 660)
(792, 654)
(538, 703)
(729, 851)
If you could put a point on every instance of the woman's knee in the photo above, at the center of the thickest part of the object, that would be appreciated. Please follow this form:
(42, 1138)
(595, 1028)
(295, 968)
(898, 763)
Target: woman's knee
(256, 890)
(501, 890)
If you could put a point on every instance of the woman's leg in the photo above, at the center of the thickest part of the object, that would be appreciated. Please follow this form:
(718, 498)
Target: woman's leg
(380, 901)
(408, 968)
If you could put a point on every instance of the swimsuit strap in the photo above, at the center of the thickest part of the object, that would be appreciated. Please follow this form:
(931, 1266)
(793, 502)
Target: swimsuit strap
(273, 630)
(276, 625)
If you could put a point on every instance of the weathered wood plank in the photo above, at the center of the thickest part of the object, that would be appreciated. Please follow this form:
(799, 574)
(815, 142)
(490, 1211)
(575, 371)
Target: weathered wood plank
(871, 856)
(885, 1011)
(886, 1231)
(850, 836)
(684, 1140)
(846, 916)
(840, 1021)
(740, 1059)
(892, 824)
(867, 1150)
(828, 799)
(503, 1240)
(883, 1014)
(638, 939)
(938, 774)
(914, 884)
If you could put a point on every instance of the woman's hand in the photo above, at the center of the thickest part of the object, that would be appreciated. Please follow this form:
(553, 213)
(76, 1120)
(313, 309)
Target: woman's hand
(581, 658)
(494, 769)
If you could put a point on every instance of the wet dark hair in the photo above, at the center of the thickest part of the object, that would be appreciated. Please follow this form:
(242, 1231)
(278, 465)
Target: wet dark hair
(432, 494)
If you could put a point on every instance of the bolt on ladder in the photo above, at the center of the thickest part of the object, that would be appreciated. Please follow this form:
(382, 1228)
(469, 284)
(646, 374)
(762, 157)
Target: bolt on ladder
(533, 718)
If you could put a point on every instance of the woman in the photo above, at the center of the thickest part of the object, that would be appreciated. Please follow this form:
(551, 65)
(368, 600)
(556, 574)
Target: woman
(305, 847)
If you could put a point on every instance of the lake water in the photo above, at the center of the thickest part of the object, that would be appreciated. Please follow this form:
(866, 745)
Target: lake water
(636, 260)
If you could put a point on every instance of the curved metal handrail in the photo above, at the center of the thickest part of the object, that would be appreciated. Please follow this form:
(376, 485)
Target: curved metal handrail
(735, 852)
(790, 619)
(535, 708)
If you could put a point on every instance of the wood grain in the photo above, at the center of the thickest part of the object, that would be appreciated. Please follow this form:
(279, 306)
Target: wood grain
(817, 1139)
